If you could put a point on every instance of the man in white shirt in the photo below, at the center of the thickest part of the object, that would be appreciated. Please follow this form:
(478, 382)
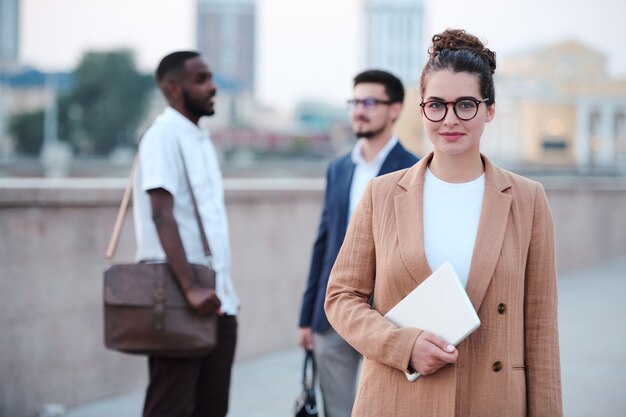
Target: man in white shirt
(374, 108)
(166, 229)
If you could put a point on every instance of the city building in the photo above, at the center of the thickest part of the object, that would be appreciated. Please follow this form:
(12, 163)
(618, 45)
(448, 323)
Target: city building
(409, 126)
(557, 106)
(9, 25)
(9, 32)
(226, 36)
(28, 89)
(394, 37)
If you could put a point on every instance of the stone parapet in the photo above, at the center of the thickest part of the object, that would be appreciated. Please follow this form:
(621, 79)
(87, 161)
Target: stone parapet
(53, 234)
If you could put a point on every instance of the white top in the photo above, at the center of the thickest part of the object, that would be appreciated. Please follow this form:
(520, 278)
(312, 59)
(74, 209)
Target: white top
(160, 166)
(451, 216)
(365, 171)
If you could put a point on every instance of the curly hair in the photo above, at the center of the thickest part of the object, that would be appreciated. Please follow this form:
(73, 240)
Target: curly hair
(459, 51)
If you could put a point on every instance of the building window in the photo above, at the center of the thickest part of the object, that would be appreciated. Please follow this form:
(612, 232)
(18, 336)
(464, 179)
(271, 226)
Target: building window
(595, 141)
(619, 129)
(554, 144)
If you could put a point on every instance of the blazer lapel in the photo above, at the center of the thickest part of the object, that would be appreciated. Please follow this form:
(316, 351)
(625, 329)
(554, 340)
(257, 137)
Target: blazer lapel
(409, 209)
(392, 161)
(491, 230)
(342, 191)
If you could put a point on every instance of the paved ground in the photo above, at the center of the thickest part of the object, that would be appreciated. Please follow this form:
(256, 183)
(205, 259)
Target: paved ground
(264, 387)
(592, 320)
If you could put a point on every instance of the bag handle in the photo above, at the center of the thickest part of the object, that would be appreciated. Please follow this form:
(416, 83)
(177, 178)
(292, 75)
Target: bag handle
(205, 242)
(121, 214)
(309, 359)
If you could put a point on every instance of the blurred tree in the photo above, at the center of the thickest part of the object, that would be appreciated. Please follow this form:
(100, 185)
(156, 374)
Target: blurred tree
(107, 102)
(101, 110)
(27, 129)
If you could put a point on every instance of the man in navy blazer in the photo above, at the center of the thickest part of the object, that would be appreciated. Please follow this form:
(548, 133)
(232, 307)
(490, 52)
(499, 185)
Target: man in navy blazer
(374, 108)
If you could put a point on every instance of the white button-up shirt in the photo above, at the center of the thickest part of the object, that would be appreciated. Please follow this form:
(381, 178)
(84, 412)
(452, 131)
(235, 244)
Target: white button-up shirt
(365, 171)
(160, 166)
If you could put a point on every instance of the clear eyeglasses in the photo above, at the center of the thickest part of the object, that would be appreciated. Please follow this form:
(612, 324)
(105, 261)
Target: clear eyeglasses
(367, 103)
(465, 108)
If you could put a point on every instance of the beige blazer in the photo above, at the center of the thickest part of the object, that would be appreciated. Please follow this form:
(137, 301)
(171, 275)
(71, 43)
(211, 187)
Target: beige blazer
(510, 366)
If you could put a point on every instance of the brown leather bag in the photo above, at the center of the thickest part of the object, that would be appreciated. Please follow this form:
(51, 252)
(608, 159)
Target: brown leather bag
(145, 310)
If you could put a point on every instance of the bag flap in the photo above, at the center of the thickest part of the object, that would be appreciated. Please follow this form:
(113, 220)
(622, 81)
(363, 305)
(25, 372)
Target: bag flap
(139, 284)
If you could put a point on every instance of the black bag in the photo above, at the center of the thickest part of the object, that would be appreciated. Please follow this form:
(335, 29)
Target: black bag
(306, 405)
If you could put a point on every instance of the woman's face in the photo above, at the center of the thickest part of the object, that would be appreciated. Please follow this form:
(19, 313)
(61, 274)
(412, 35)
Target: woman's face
(453, 136)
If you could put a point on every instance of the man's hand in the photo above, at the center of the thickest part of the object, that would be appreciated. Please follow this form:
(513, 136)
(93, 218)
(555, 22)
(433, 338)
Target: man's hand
(431, 353)
(305, 338)
(203, 300)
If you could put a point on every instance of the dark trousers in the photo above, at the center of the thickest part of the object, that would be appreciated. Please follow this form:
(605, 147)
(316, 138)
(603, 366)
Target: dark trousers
(194, 387)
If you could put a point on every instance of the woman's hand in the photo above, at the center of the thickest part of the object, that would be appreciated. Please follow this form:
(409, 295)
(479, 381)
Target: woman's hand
(431, 353)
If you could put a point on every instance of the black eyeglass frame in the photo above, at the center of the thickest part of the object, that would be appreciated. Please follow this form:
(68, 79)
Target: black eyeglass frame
(367, 103)
(446, 103)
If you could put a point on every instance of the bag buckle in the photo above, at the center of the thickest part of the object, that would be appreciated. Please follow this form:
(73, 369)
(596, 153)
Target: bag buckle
(159, 294)
(159, 309)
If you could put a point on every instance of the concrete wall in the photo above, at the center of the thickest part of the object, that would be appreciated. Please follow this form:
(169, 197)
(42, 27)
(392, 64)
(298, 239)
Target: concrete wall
(589, 220)
(52, 239)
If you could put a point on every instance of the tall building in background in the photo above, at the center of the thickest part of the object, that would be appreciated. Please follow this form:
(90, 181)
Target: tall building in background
(9, 25)
(226, 33)
(9, 21)
(394, 33)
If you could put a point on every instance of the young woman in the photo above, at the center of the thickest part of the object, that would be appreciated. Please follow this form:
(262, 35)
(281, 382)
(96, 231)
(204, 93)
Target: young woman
(493, 226)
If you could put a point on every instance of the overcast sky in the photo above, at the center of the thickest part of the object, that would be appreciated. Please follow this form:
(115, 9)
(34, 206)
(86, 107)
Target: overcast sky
(308, 50)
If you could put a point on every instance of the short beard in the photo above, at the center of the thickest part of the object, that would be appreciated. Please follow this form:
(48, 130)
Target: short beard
(369, 134)
(194, 108)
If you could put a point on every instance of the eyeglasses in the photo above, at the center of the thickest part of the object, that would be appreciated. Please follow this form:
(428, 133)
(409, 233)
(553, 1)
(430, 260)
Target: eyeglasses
(368, 103)
(437, 110)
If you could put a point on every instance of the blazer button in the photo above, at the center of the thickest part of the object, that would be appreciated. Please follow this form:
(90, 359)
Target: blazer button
(501, 308)
(497, 366)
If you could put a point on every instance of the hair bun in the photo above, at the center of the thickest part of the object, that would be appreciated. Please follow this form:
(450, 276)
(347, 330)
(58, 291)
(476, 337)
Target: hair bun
(456, 39)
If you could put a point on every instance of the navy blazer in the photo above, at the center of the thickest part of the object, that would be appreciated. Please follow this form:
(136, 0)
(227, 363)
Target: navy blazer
(332, 230)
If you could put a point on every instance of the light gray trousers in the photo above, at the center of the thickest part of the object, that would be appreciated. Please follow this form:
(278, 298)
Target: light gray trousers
(338, 369)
